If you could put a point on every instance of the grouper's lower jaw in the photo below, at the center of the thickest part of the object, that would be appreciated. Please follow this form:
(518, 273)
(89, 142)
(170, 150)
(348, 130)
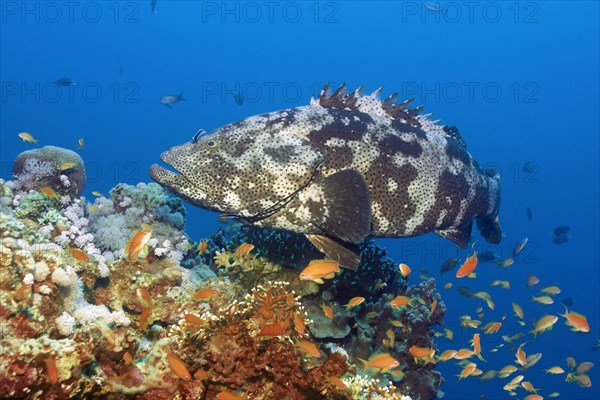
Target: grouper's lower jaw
(175, 182)
(168, 179)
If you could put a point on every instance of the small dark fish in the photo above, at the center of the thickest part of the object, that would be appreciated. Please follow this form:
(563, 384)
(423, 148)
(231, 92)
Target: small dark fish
(568, 301)
(238, 98)
(119, 66)
(449, 265)
(519, 247)
(560, 239)
(561, 230)
(66, 82)
(170, 100)
(465, 291)
(487, 256)
(529, 213)
(529, 167)
(153, 6)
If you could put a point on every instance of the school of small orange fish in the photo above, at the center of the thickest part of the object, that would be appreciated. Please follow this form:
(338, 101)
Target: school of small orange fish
(574, 372)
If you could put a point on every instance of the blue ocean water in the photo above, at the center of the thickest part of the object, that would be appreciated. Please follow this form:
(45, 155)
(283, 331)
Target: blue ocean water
(519, 79)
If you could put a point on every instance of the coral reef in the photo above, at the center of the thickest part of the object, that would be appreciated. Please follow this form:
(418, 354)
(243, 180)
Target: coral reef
(112, 220)
(81, 317)
(55, 167)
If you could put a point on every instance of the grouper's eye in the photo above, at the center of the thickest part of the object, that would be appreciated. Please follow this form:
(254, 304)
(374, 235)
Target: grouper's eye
(212, 143)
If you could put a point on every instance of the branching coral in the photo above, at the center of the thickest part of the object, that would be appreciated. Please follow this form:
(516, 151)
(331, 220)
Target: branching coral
(114, 220)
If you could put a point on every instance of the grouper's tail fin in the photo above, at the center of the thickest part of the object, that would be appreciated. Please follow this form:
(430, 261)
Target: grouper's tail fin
(489, 225)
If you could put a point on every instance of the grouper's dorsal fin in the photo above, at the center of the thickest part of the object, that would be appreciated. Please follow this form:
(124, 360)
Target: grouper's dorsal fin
(370, 104)
(453, 133)
(388, 108)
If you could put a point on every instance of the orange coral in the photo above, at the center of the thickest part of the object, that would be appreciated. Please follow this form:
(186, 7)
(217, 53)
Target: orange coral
(275, 306)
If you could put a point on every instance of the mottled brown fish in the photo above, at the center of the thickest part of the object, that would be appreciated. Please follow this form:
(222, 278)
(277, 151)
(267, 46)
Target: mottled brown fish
(346, 167)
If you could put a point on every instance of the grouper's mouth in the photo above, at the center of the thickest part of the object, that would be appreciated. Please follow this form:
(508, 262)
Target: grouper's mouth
(163, 176)
(173, 181)
(176, 181)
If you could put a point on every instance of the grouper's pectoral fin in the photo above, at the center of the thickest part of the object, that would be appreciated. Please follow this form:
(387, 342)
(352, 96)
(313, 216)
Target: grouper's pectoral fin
(460, 235)
(346, 254)
(341, 207)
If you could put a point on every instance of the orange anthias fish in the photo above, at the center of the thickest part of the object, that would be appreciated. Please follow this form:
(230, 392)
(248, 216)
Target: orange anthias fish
(144, 319)
(544, 324)
(136, 244)
(355, 301)
(391, 337)
(518, 310)
(49, 192)
(78, 254)
(27, 137)
(202, 247)
(383, 362)
(467, 371)
(309, 348)
(299, 324)
(204, 294)
(52, 370)
(127, 357)
(244, 248)
(447, 355)
(577, 322)
(201, 374)
(400, 301)
(521, 357)
(272, 330)
(145, 298)
(533, 397)
(327, 310)
(229, 395)
(433, 306)
(192, 319)
(178, 367)
(532, 280)
(337, 382)
(476, 342)
(493, 327)
(317, 270)
(421, 352)
(529, 386)
(404, 270)
(463, 354)
(468, 266)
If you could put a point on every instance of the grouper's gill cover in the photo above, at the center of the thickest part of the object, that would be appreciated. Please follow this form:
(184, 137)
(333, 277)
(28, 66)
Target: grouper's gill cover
(343, 168)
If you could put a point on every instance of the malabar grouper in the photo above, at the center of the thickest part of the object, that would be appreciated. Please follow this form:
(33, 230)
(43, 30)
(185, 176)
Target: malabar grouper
(346, 167)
